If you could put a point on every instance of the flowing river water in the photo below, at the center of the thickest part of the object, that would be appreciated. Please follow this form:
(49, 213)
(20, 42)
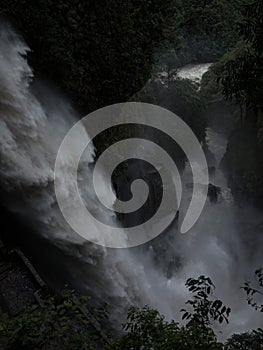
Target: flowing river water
(223, 244)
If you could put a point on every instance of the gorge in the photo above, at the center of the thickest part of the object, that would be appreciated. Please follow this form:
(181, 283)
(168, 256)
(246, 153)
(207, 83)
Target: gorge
(224, 243)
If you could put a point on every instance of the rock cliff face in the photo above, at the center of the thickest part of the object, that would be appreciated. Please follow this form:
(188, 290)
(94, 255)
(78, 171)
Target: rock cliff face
(20, 284)
(243, 161)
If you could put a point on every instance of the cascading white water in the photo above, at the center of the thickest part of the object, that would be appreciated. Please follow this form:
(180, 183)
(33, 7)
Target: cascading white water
(193, 72)
(30, 135)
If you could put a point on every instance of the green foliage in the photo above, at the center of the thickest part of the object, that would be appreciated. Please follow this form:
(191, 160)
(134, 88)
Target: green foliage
(251, 27)
(98, 54)
(242, 74)
(62, 324)
(147, 329)
(57, 324)
(205, 309)
(167, 61)
(205, 31)
(239, 78)
(239, 71)
(211, 87)
(101, 55)
(246, 341)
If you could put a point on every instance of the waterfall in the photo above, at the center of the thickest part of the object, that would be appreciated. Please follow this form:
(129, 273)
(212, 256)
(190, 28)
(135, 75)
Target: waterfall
(30, 135)
(31, 130)
(193, 72)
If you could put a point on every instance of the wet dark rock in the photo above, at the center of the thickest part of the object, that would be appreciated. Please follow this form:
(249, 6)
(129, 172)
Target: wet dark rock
(213, 192)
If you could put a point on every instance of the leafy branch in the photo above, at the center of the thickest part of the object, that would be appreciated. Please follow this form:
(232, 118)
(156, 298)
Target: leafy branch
(253, 292)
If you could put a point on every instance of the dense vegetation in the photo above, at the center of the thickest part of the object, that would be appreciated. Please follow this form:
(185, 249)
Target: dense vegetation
(100, 55)
(239, 78)
(59, 323)
(207, 29)
(64, 323)
(97, 54)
